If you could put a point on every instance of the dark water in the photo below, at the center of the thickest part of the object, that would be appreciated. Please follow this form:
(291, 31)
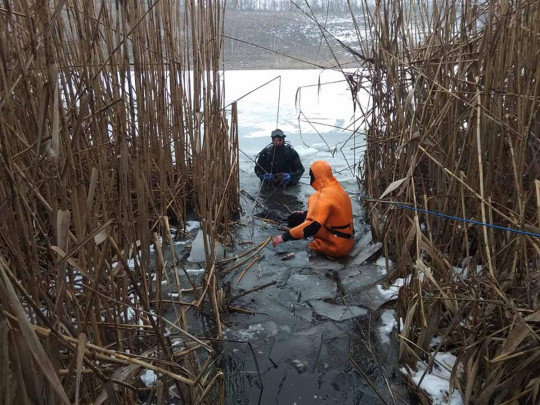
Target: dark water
(311, 338)
(286, 352)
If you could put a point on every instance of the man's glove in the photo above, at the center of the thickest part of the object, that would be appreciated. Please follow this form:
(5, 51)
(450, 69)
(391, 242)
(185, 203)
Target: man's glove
(286, 178)
(267, 177)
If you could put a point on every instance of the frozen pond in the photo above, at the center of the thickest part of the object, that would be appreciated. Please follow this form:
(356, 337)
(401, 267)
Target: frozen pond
(312, 107)
(297, 345)
(315, 330)
(319, 320)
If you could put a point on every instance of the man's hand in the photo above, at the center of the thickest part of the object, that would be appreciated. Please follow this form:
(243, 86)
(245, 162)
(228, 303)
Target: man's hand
(286, 178)
(282, 178)
(276, 240)
(267, 177)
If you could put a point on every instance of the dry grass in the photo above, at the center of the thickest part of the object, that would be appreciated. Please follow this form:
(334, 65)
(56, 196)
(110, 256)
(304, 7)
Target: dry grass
(454, 128)
(111, 123)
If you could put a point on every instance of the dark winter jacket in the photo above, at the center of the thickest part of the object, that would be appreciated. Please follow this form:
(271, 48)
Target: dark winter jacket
(280, 159)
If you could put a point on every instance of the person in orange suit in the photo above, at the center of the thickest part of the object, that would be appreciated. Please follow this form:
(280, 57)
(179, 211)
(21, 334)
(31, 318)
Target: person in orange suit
(329, 216)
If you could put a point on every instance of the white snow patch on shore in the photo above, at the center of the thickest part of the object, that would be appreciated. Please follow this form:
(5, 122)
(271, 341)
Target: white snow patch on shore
(392, 291)
(381, 261)
(437, 383)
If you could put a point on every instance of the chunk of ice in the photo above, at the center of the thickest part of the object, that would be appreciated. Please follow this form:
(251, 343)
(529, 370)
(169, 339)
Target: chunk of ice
(197, 249)
(337, 312)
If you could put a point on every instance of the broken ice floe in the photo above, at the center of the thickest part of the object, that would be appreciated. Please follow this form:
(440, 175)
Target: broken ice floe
(197, 253)
(312, 287)
(337, 312)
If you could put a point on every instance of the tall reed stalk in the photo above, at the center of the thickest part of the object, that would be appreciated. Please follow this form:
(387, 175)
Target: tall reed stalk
(111, 124)
(454, 129)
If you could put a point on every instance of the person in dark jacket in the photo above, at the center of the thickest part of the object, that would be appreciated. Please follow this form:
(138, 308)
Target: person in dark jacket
(278, 163)
(328, 218)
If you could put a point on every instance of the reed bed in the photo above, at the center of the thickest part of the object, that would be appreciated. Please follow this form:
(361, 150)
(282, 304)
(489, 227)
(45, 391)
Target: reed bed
(112, 130)
(453, 129)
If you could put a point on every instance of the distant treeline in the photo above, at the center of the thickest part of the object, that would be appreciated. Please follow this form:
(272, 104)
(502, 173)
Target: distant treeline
(292, 5)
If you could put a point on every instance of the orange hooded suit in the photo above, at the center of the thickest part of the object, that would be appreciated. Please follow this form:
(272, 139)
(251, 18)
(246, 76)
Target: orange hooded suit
(329, 215)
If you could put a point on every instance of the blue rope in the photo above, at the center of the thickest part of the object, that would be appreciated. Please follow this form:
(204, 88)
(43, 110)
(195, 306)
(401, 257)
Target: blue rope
(470, 221)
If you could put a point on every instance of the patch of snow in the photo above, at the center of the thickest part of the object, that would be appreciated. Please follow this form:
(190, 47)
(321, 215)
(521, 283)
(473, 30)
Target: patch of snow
(131, 263)
(148, 377)
(130, 314)
(299, 366)
(437, 383)
(461, 272)
(388, 323)
(392, 291)
(388, 293)
(381, 261)
(435, 341)
(77, 280)
(191, 225)
(192, 271)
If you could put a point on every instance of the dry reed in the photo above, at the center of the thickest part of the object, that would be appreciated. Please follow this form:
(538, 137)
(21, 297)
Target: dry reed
(453, 129)
(111, 124)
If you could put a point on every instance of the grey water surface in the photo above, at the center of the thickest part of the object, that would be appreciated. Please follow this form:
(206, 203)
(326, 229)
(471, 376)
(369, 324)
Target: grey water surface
(312, 330)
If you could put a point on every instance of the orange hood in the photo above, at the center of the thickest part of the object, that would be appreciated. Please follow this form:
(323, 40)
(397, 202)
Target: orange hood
(321, 174)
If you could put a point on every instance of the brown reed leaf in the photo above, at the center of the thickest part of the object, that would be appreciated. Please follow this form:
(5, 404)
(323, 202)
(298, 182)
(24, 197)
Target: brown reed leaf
(407, 330)
(471, 370)
(100, 127)
(34, 346)
(448, 302)
(432, 327)
(516, 336)
(393, 186)
(29, 385)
